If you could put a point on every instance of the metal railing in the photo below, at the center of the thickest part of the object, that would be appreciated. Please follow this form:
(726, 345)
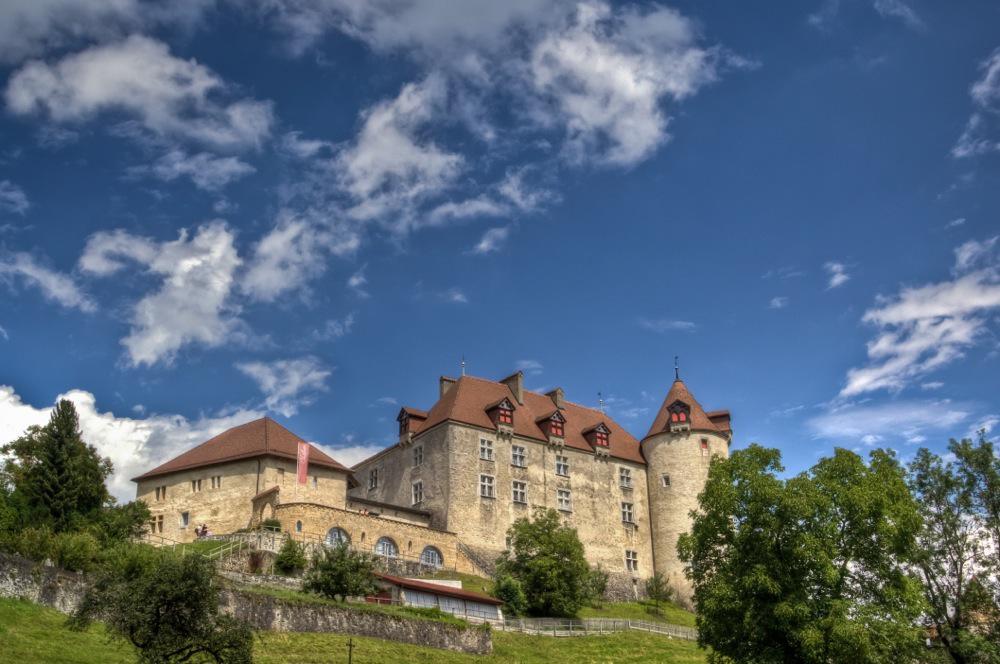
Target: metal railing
(557, 627)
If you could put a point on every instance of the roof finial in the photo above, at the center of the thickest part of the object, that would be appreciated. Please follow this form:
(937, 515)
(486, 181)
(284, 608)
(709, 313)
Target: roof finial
(463, 364)
(600, 402)
(677, 369)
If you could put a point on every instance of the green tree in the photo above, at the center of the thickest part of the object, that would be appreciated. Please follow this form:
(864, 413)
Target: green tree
(56, 477)
(291, 559)
(338, 573)
(121, 523)
(957, 548)
(508, 590)
(546, 558)
(809, 569)
(166, 606)
(658, 591)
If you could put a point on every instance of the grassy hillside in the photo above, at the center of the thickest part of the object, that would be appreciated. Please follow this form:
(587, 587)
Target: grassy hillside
(30, 633)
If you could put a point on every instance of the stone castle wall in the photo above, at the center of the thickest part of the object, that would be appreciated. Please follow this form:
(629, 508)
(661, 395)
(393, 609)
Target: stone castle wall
(679, 456)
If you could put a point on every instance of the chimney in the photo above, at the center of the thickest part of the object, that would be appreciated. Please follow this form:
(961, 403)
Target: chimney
(557, 397)
(515, 382)
(445, 383)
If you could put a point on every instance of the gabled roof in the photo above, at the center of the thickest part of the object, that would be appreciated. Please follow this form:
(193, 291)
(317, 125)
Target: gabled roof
(263, 437)
(471, 398)
(412, 412)
(438, 589)
(699, 420)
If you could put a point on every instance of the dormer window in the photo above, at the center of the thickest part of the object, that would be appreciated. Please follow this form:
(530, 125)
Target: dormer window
(404, 424)
(599, 437)
(553, 425)
(505, 416)
(679, 416)
(502, 414)
(555, 428)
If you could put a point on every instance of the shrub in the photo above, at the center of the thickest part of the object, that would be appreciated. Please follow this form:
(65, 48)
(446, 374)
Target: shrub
(291, 558)
(338, 573)
(34, 544)
(597, 584)
(508, 590)
(658, 591)
(75, 551)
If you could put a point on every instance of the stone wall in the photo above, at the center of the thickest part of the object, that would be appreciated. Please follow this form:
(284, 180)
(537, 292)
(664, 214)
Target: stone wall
(224, 503)
(63, 591)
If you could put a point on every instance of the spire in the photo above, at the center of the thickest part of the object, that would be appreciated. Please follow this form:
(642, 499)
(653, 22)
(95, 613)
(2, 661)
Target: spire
(463, 364)
(600, 401)
(677, 369)
(679, 392)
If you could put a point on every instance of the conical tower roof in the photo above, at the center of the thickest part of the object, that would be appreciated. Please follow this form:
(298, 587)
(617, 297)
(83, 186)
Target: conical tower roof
(679, 392)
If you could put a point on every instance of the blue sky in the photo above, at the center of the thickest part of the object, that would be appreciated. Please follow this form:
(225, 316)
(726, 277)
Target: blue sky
(314, 208)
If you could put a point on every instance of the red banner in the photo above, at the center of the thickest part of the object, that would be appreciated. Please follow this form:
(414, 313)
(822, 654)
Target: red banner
(303, 462)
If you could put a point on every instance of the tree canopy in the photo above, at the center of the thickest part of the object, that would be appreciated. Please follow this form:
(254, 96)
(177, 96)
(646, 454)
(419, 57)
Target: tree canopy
(809, 569)
(338, 572)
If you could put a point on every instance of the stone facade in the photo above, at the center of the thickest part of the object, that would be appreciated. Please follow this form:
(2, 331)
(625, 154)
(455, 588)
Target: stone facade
(222, 500)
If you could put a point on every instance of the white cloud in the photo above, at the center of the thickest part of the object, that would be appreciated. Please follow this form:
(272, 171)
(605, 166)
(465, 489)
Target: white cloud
(170, 97)
(387, 401)
(492, 240)
(837, 273)
(134, 445)
(606, 75)
(932, 385)
(389, 168)
(926, 327)
(335, 329)
(287, 384)
(3, 333)
(778, 302)
(530, 367)
(455, 296)
(350, 455)
(977, 138)
(973, 254)
(55, 286)
(358, 282)
(985, 424)
(12, 198)
(192, 304)
(480, 206)
(293, 144)
(899, 10)
(955, 223)
(663, 325)
(205, 170)
(908, 420)
(294, 252)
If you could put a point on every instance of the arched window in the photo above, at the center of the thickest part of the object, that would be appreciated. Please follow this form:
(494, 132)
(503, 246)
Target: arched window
(337, 536)
(431, 557)
(386, 547)
(298, 526)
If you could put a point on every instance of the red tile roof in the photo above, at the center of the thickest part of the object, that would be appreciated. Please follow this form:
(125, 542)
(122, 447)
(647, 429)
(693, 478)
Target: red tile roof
(263, 437)
(468, 401)
(438, 589)
(700, 421)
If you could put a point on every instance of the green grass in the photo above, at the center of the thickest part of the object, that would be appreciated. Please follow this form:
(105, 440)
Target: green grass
(668, 613)
(471, 582)
(30, 633)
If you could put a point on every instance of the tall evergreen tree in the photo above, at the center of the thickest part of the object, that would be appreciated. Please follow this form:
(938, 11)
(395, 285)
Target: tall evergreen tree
(57, 479)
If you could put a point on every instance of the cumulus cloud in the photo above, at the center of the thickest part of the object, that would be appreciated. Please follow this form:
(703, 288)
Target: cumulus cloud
(979, 135)
(530, 367)
(607, 74)
(901, 11)
(911, 421)
(927, 327)
(12, 198)
(492, 240)
(192, 304)
(358, 282)
(54, 286)
(663, 325)
(134, 445)
(334, 329)
(287, 384)
(778, 302)
(168, 96)
(208, 172)
(454, 295)
(837, 273)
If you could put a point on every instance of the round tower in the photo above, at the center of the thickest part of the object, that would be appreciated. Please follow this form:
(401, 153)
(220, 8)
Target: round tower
(678, 450)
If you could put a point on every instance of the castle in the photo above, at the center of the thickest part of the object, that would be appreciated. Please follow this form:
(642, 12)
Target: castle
(485, 454)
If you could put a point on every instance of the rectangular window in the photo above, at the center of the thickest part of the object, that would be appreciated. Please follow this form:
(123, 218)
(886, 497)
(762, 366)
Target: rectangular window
(564, 500)
(315, 481)
(217, 481)
(519, 492)
(505, 416)
(373, 478)
(486, 449)
(195, 486)
(562, 465)
(664, 480)
(628, 514)
(556, 428)
(486, 486)
(161, 493)
(156, 524)
(518, 457)
(625, 478)
(418, 455)
(632, 561)
(418, 493)
(281, 476)
(185, 519)
(704, 447)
